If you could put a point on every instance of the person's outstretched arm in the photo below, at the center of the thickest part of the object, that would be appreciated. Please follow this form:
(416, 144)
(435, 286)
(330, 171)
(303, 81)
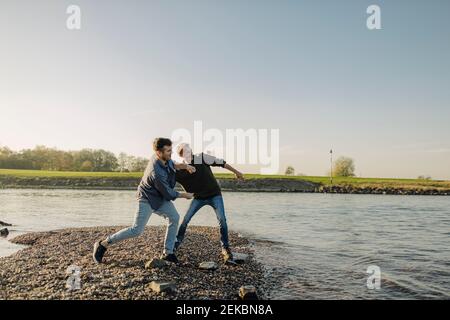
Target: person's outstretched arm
(236, 172)
(217, 162)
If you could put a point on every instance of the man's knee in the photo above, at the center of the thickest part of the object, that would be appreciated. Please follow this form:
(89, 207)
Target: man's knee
(137, 230)
(174, 217)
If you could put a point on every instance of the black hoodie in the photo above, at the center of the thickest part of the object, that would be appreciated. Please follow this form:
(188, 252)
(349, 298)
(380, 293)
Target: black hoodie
(202, 183)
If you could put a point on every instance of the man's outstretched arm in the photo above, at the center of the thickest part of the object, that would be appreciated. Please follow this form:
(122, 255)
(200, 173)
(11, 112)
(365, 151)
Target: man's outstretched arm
(217, 162)
(236, 172)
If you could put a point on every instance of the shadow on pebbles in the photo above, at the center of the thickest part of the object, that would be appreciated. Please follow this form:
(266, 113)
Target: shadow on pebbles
(59, 265)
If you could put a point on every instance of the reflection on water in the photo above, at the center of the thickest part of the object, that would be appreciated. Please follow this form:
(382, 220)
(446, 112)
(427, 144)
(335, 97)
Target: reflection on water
(313, 245)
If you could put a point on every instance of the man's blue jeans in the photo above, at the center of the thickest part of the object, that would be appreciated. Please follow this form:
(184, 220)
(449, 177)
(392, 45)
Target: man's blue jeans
(217, 203)
(167, 210)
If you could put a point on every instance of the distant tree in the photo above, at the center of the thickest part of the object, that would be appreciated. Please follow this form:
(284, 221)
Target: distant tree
(101, 160)
(13, 160)
(79, 157)
(5, 157)
(87, 166)
(344, 167)
(138, 164)
(44, 158)
(122, 162)
(37, 157)
(127, 163)
(104, 161)
(424, 177)
(5, 152)
(290, 171)
(65, 160)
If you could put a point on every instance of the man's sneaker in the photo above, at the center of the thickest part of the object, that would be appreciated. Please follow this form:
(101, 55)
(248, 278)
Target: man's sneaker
(227, 255)
(99, 252)
(171, 257)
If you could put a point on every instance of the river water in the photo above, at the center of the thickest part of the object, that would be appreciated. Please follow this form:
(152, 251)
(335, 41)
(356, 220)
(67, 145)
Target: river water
(314, 246)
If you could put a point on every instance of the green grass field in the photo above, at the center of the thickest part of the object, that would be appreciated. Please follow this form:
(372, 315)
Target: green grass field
(360, 182)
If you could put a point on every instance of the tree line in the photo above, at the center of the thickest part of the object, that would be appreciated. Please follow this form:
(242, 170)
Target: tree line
(94, 160)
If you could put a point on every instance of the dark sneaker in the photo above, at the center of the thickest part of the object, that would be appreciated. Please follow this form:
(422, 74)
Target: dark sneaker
(99, 252)
(227, 255)
(170, 258)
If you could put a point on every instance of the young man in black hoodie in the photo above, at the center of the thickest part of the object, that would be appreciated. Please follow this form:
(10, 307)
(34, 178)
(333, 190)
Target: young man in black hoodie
(206, 190)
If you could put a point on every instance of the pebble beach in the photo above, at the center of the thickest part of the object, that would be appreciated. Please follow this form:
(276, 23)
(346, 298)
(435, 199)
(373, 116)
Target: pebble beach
(42, 269)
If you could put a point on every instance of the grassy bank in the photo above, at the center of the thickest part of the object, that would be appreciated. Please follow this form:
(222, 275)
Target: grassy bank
(325, 181)
(254, 182)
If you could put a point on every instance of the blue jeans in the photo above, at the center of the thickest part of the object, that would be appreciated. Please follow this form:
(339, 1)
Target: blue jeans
(217, 203)
(167, 210)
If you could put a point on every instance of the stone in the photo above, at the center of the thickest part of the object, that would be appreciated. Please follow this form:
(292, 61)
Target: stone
(156, 264)
(209, 265)
(230, 262)
(160, 287)
(4, 224)
(248, 293)
(240, 257)
(4, 232)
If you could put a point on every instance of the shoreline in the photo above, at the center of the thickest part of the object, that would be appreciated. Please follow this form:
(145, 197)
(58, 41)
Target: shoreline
(39, 271)
(275, 188)
(31, 179)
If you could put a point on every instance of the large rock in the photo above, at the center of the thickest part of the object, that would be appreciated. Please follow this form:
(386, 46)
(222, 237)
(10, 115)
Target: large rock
(156, 264)
(248, 293)
(4, 232)
(160, 287)
(240, 257)
(208, 265)
(4, 224)
(231, 262)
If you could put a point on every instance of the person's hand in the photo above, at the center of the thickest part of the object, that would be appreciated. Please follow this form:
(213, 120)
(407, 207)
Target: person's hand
(187, 195)
(190, 169)
(239, 176)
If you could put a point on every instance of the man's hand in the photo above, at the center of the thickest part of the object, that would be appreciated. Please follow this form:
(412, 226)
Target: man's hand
(186, 195)
(184, 166)
(237, 173)
(190, 169)
(239, 176)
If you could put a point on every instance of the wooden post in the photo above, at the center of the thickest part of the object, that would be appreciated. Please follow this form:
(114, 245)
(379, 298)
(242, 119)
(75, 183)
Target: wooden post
(331, 166)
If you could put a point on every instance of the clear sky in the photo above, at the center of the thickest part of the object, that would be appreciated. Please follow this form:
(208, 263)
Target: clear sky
(140, 69)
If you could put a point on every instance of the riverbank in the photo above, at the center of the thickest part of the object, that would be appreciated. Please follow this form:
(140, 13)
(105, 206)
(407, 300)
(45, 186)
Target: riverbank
(253, 183)
(40, 270)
